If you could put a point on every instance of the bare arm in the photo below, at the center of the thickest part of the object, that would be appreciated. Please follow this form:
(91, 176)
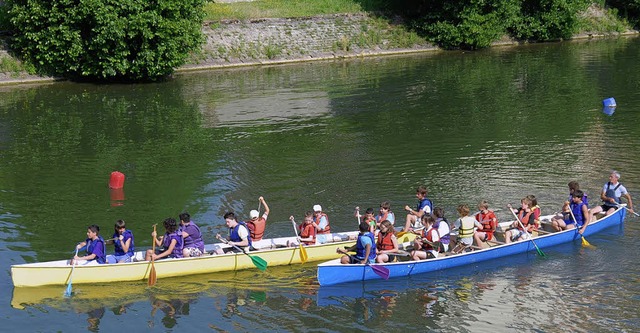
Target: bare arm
(266, 207)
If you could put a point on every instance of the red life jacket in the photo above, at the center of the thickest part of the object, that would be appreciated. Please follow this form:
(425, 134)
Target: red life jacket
(384, 241)
(488, 223)
(524, 217)
(428, 235)
(327, 229)
(306, 231)
(256, 228)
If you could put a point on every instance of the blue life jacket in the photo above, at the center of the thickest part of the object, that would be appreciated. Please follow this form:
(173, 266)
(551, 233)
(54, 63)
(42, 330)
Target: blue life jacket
(235, 237)
(91, 244)
(611, 193)
(577, 213)
(424, 202)
(118, 245)
(361, 249)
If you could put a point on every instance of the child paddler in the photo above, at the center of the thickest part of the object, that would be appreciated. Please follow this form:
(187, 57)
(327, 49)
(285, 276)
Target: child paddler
(365, 248)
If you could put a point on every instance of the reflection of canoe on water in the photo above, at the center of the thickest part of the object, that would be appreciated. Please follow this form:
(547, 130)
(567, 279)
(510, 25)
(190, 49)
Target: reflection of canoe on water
(332, 272)
(273, 251)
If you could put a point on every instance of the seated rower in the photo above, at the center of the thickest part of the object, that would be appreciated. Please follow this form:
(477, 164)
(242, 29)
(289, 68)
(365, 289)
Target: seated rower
(95, 248)
(442, 225)
(576, 212)
(365, 248)
(525, 224)
(320, 220)
(489, 222)
(424, 206)
(385, 213)
(368, 218)
(122, 241)
(466, 227)
(307, 232)
(427, 245)
(170, 245)
(238, 234)
(387, 243)
(611, 193)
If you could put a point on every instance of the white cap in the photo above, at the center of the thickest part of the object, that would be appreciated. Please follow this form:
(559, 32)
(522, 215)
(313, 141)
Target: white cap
(254, 213)
(317, 208)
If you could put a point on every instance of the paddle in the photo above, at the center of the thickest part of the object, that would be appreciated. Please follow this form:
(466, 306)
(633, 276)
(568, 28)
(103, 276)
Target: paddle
(303, 252)
(260, 263)
(382, 271)
(625, 207)
(525, 230)
(152, 273)
(584, 240)
(67, 292)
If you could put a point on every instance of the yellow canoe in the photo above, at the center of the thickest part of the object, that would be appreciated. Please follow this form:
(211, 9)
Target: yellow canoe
(274, 251)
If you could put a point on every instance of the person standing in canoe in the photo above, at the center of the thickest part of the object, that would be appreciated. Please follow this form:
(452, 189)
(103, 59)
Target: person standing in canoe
(526, 216)
(611, 193)
(385, 213)
(489, 222)
(193, 243)
(258, 223)
(122, 241)
(238, 233)
(170, 245)
(387, 243)
(425, 206)
(365, 248)
(95, 248)
(320, 220)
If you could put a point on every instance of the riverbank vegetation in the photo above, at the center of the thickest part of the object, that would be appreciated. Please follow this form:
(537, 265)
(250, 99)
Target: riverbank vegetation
(459, 24)
(136, 40)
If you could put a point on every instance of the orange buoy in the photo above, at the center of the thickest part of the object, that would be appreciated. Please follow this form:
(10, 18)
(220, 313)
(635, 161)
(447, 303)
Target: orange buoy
(117, 180)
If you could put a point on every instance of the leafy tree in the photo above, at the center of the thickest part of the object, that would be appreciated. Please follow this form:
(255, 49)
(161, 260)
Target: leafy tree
(106, 39)
(544, 20)
(467, 24)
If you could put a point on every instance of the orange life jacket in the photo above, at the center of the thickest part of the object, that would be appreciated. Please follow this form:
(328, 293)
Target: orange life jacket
(524, 217)
(384, 241)
(489, 223)
(306, 231)
(327, 229)
(256, 228)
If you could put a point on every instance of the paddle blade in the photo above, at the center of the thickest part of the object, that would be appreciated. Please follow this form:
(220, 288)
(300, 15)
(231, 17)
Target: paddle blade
(540, 252)
(259, 262)
(586, 244)
(152, 276)
(382, 271)
(67, 292)
(303, 254)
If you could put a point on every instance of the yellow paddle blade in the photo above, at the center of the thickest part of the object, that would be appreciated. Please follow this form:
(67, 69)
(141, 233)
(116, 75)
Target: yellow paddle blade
(585, 243)
(152, 275)
(303, 254)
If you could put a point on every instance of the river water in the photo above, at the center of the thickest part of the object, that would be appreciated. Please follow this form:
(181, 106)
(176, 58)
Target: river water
(497, 124)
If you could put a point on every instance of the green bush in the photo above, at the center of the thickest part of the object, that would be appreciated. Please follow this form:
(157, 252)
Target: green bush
(544, 20)
(106, 39)
(469, 24)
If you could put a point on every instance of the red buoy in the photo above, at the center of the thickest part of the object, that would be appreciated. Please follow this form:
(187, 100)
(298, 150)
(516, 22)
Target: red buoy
(117, 180)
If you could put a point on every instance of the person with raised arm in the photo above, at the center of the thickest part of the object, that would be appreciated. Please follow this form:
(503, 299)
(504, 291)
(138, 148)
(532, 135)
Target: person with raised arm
(258, 223)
